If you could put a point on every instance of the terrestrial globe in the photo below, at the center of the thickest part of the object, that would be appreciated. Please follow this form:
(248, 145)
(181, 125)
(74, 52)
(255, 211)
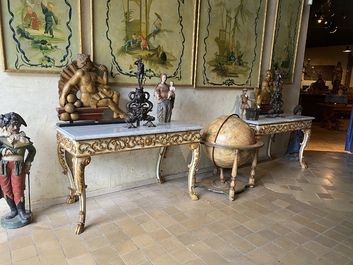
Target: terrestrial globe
(223, 136)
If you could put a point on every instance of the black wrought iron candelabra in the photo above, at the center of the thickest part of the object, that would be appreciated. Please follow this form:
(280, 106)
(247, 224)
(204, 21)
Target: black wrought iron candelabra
(139, 106)
(276, 102)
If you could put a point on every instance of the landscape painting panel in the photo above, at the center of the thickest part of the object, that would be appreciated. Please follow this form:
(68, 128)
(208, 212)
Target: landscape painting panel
(40, 36)
(285, 41)
(160, 32)
(230, 49)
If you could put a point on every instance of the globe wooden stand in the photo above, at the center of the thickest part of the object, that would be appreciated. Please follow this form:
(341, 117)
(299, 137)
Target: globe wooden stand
(231, 188)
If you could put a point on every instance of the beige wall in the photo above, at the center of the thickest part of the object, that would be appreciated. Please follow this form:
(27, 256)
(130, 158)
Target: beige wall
(35, 97)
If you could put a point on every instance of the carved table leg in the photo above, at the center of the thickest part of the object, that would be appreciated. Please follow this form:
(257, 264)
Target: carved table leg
(79, 164)
(67, 170)
(306, 137)
(195, 153)
(221, 176)
(270, 140)
(253, 168)
(161, 155)
(234, 176)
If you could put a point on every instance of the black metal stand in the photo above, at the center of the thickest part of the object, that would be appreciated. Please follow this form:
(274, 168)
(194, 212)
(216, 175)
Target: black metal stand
(276, 98)
(139, 106)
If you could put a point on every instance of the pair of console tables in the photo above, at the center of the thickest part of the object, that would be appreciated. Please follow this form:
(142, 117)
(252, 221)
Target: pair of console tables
(77, 144)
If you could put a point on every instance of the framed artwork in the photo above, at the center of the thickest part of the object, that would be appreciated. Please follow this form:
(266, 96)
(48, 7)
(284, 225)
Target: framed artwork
(39, 36)
(160, 32)
(285, 39)
(230, 43)
(313, 72)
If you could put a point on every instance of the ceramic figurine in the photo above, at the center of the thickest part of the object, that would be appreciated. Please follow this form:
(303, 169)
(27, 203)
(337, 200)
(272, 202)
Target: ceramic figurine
(244, 101)
(14, 165)
(90, 80)
(165, 100)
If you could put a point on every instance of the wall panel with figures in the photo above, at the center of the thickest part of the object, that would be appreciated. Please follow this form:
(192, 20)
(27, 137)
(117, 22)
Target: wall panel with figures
(39, 36)
(230, 43)
(286, 37)
(184, 39)
(161, 32)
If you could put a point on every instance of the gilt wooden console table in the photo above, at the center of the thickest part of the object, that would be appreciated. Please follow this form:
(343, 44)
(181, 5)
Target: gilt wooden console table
(271, 126)
(77, 144)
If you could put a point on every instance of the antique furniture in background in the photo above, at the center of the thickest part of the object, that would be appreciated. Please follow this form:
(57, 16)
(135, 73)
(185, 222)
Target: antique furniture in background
(80, 143)
(312, 103)
(309, 103)
(333, 111)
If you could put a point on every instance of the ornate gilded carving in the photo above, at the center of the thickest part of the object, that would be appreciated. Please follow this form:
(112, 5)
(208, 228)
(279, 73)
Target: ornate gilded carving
(72, 197)
(79, 164)
(195, 148)
(61, 156)
(81, 222)
(99, 146)
(278, 128)
(66, 143)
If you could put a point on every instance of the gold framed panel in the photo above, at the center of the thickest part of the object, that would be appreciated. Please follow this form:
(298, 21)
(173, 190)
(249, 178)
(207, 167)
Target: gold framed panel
(314, 71)
(29, 44)
(286, 37)
(161, 32)
(230, 43)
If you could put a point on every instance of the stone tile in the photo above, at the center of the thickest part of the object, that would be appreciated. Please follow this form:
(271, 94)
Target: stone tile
(292, 216)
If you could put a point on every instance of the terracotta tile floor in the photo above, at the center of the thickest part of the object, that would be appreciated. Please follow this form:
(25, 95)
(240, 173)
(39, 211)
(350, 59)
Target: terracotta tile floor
(292, 216)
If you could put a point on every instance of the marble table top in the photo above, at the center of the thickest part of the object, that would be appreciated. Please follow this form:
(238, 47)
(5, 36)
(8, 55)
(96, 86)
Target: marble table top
(264, 120)
(99, 131)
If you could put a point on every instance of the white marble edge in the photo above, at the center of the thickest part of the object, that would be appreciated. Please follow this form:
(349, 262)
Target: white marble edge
(287, 118)
(99, 131)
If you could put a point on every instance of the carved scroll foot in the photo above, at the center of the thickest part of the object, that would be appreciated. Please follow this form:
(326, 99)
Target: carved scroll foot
(161, 154)
(195, 149)
(79, 164)
(81, 223)
(79, 228)
(306, 137)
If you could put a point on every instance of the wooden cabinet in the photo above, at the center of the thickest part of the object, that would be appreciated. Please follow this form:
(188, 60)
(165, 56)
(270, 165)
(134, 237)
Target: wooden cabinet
(309, 102)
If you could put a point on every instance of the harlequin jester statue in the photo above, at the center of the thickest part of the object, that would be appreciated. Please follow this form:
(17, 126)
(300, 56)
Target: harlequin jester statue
(17, 153)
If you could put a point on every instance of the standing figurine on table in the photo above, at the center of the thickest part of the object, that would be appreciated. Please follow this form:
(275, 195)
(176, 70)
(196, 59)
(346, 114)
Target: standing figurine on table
(14, 165)
(165, 100)
(244, 101)
(140, 74)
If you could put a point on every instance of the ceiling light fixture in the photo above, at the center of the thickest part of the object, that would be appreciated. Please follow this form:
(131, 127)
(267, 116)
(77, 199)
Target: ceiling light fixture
(347, 49)
(331, 27)
(319, 16)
